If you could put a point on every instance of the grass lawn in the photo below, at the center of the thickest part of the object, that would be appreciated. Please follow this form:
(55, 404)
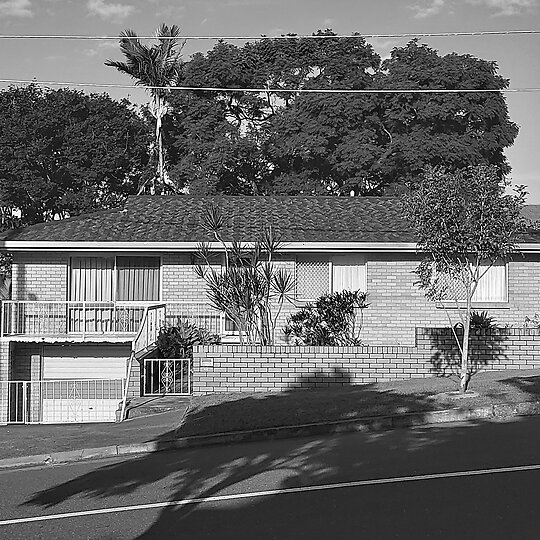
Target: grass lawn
(218, 413)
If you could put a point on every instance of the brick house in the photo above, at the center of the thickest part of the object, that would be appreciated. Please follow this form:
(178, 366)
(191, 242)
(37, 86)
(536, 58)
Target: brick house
(90, 290)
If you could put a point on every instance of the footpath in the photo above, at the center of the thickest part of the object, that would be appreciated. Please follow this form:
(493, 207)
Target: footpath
(229, 418)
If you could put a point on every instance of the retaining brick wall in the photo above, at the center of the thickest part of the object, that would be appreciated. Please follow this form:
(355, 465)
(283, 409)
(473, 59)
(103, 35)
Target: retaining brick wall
(235, 368)
(135, 383)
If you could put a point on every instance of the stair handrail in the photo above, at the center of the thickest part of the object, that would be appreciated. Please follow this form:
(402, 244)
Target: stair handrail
(142, 327)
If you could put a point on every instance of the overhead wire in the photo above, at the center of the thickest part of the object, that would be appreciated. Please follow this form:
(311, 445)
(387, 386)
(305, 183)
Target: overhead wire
(282, 36)
(278, 90)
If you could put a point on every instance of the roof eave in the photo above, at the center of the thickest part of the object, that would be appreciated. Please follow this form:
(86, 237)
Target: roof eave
(43, 246)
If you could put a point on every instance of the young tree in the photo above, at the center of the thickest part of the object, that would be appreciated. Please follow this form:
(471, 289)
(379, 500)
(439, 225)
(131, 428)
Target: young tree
(158, 67)
(248, 288)
(465, 222)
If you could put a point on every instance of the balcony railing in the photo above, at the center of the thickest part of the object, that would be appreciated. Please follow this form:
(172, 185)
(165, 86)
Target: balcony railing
(91, 319)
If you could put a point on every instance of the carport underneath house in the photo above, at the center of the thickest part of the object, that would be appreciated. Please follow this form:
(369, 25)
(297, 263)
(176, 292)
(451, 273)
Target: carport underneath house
(83, 287)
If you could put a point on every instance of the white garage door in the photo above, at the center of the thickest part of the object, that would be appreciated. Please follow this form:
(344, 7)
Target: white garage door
(82, 383)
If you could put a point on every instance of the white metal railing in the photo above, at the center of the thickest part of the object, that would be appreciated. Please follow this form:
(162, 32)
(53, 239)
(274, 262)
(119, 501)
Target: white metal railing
(200, 314)
(62, 318)
(60, 401)
(153, 319)
(170, 376)
(36, 318)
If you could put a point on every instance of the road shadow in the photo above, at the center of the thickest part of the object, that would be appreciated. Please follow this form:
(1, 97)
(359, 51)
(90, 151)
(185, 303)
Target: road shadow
(199, 474)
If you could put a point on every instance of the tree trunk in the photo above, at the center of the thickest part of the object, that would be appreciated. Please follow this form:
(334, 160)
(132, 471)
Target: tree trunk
(464, 375)
(159, 141)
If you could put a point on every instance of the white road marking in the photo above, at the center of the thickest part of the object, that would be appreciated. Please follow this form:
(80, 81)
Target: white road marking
(270, 492)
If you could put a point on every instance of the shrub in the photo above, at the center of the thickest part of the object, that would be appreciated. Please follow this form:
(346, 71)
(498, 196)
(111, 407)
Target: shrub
(177, 341)
(532, 322)
(330, 321)
(480, 320)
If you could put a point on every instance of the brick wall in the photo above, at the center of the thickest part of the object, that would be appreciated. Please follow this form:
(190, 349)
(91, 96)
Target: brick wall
(5, 359)
(40, 276)
(135, 383)
(235, 368)
(396, 308)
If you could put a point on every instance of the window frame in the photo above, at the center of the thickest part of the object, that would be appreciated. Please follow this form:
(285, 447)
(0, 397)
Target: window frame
(331, 263)
(115, 277)
(482, 304)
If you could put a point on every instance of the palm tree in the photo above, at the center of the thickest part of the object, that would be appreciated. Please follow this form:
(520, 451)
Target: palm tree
(157, 66)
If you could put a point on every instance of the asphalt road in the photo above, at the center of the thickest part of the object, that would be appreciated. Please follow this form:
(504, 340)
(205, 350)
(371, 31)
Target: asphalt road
(468, 481)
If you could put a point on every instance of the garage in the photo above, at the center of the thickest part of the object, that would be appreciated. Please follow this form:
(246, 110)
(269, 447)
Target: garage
(82, 383)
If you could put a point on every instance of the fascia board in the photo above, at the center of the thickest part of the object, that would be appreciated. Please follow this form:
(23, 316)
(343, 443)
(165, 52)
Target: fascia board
(116, 247)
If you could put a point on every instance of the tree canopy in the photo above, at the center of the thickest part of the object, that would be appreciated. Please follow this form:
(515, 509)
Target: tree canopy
(63, 152)
(292, 143)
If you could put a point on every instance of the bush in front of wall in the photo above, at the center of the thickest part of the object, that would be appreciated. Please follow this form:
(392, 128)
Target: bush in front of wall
(480, 320)
(177, 341)
(331, 321)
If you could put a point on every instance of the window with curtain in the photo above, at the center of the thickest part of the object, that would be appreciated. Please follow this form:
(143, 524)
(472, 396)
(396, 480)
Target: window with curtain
(137, 279)
(93, 279)
(492, 287)
(317, 275)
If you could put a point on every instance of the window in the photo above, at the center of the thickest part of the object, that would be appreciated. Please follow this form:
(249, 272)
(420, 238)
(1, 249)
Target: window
(317, 275)
(137, 279)
(107, 279)
(492, 287)
(312, 277)
(92, 279)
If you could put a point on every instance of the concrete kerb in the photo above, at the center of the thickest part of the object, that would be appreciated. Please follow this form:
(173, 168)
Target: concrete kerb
(368, 424)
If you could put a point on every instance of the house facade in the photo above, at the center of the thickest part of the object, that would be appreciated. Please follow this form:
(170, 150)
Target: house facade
(90, 293)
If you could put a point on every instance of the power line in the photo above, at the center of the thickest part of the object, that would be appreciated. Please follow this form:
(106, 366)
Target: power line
(281, 90)
(289, 36)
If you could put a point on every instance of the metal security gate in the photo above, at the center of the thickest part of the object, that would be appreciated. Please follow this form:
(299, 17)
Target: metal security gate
(60, 401)
(170, 376)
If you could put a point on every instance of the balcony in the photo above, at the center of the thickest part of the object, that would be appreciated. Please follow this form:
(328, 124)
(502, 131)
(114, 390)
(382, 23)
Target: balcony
(87, 321)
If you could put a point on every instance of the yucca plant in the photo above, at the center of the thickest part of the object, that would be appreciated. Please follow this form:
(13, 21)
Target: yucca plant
(249, 288)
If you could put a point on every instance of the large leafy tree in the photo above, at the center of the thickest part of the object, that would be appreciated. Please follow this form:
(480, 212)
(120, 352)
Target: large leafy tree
(287, 142)
(157, 66)
(63, 152)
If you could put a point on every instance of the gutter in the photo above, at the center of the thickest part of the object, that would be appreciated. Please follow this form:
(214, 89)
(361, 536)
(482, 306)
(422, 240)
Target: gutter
(189, 247)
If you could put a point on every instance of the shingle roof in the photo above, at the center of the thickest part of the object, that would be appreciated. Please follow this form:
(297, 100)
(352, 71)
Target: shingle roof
(295, 219)
(179, 219)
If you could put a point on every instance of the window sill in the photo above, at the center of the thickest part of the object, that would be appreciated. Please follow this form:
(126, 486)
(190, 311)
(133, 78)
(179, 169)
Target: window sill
(475, 305)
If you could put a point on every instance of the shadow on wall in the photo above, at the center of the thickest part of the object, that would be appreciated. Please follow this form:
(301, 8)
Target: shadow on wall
(339, 376)
(485, 348)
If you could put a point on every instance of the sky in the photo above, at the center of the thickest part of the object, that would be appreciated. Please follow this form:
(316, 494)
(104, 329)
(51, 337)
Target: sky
(58, 60)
